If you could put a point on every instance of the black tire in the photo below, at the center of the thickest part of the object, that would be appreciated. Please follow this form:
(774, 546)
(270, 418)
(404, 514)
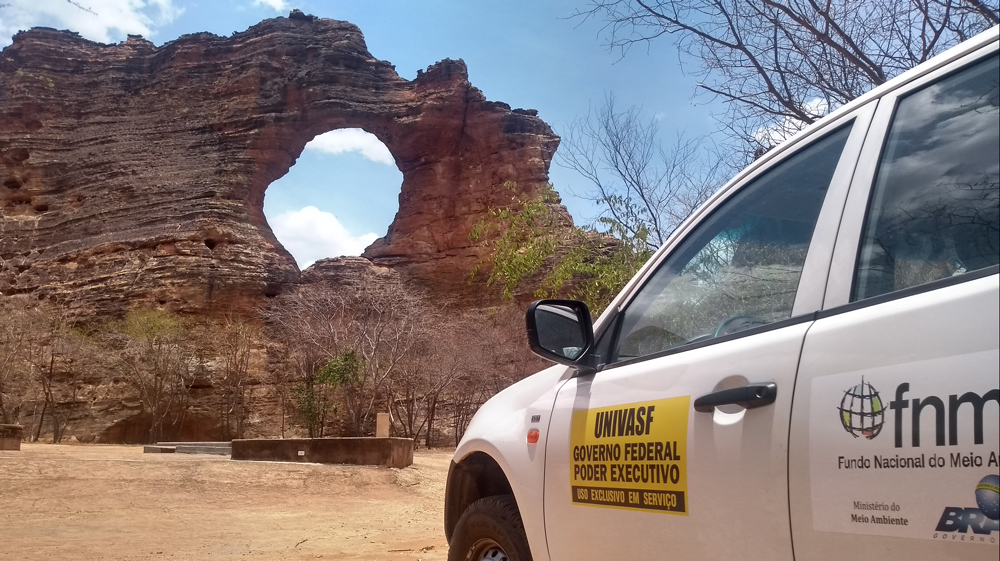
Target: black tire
(490, 529)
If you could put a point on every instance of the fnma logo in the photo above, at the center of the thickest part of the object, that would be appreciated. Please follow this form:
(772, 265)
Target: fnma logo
(861, 411)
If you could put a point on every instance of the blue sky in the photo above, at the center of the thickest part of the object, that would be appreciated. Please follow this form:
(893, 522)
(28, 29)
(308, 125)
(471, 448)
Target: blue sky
(342, 193)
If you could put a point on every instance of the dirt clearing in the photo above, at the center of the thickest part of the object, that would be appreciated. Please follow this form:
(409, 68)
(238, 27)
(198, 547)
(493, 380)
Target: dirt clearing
(116, 503)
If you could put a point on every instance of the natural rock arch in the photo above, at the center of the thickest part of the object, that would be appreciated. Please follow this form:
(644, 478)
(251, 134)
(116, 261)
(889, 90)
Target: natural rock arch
(348, 170)
(131, 173)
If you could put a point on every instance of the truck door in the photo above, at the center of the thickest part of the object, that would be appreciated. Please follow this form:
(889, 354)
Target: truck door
(634, 469)
(895, 427)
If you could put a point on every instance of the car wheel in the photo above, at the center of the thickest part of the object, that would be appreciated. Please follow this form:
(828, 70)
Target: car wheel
(490, 530)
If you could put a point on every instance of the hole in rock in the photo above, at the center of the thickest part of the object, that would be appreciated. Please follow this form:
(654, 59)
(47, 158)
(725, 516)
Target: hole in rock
(338, 198)
(16, 155)
(210, 243)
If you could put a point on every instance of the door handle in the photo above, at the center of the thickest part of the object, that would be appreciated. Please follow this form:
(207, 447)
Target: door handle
(754, 395)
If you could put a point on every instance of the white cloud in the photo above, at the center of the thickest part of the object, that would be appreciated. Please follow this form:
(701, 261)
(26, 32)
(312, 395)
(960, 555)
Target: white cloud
(310, 234)
(276, 5)
(105, 21)
(352, 140)
(780, 132)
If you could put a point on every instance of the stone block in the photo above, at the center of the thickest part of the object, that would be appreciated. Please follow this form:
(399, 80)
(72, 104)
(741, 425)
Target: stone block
(382, 425)
(10, 437)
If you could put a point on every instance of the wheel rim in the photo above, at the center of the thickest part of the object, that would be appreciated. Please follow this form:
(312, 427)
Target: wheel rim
(486, 549)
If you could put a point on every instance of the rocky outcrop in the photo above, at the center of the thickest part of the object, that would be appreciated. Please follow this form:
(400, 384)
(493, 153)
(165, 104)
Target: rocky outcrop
(136, 174)
(349, 273)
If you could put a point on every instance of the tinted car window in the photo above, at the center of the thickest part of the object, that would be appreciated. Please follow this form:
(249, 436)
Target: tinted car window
(934, 209)
(740, 267)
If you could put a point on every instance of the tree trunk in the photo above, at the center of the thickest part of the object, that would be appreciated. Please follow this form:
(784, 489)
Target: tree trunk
(246, 394)
(282, 394)
(58, 425)
(41, 421)
(431, 406)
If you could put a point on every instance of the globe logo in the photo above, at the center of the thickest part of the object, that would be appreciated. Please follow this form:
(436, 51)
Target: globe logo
(861, 411)
(988, 496)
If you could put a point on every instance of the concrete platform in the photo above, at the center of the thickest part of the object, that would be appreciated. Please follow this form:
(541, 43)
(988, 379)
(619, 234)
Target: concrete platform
(391, 452)
(195, 448)
(211, 448)
(219, 444)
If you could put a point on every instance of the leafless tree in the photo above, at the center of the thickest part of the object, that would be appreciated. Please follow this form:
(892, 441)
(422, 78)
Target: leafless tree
(40, 355)
(387, 328)
(152, 352)
(235, 339)
(47, 340)
(378, 319)
(444, 351)
(645, 191)
(310, 325)
(69, 353)
(279, 378)
(411, 356)
(12, 377)
(497, 348)
(786, 63)
(22, 333)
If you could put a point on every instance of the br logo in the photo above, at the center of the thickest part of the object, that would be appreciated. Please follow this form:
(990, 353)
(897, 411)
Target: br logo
(861, 411)
(983, 520)
(988, 496)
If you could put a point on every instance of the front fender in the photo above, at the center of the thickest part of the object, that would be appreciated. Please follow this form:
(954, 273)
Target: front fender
(497, 436)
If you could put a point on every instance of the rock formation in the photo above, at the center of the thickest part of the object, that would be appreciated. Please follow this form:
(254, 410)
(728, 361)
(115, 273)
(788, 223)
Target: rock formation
(136, 174)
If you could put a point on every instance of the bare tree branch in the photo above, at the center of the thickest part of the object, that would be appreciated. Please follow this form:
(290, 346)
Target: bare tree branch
(646, 191)
(71, 2)
(781, 60)
(81, 7)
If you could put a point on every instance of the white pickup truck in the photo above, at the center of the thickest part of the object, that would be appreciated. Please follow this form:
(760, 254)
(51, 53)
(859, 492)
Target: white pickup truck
(808, 369)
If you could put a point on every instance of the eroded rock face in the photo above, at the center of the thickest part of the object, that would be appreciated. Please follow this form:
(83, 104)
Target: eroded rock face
(131, 174)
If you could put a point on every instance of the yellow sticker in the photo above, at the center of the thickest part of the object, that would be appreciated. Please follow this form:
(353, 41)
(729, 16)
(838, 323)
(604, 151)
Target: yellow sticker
(631, 456)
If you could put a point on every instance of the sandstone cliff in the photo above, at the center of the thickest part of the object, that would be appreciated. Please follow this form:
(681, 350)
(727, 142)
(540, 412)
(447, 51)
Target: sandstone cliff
(134, 174)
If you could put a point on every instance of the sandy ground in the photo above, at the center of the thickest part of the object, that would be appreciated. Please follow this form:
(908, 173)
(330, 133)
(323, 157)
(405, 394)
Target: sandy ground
(116, 503)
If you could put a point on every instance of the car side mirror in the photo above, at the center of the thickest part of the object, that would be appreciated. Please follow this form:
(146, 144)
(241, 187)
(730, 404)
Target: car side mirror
(561, 331)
